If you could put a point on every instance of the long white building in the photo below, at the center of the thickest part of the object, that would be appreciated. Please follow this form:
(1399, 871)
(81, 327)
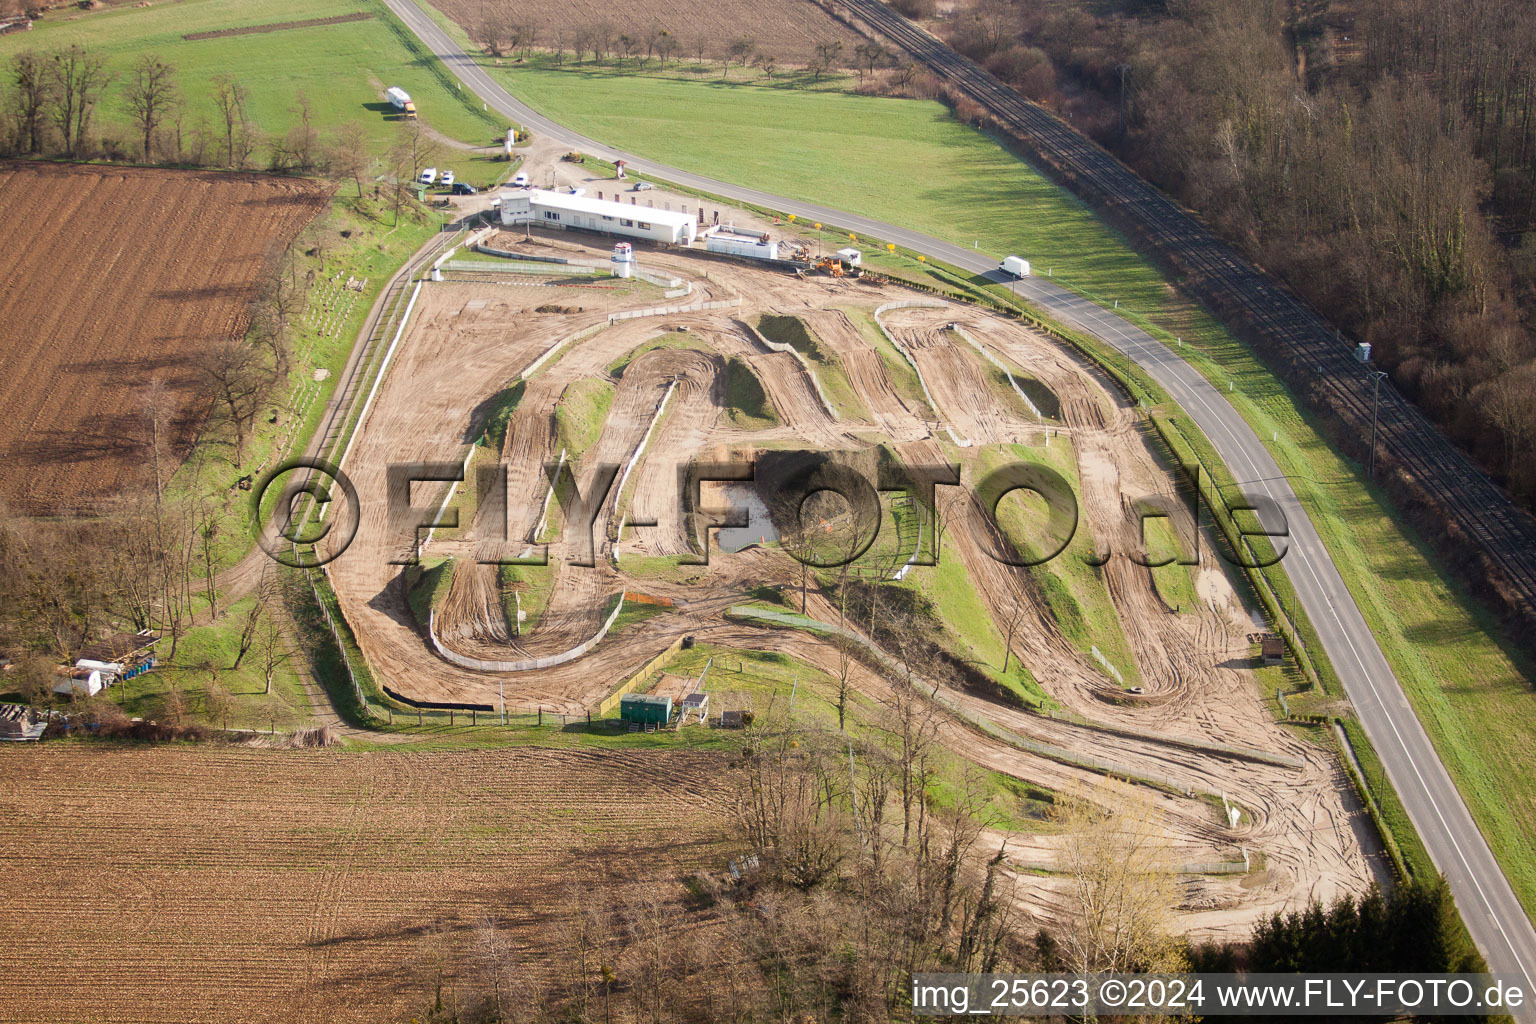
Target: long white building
(560, 210)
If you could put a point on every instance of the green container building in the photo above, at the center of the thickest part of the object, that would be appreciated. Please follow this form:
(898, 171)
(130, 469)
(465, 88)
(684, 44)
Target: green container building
(645, 709)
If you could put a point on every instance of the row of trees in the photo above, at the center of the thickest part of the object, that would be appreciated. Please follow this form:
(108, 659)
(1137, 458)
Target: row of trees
(1380, 157)
(502, 36)
(51, 99)
(51, 103)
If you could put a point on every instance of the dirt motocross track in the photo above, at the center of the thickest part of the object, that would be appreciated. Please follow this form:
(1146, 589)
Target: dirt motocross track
(116, 278)
(1198, 724)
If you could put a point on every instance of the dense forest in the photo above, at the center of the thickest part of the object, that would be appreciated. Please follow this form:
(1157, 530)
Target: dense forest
(1378, 155)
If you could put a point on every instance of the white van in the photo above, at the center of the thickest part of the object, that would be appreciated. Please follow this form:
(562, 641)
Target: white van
(429, 176)
(1018, 266)
(521, 180)
(447, 179)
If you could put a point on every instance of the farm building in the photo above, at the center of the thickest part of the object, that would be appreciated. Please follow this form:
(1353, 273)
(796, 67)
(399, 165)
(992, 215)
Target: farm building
(86, 679)
(581, 213)
(99, 665)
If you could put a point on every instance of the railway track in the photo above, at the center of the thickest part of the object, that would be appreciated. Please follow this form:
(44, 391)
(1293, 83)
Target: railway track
(1503, 533)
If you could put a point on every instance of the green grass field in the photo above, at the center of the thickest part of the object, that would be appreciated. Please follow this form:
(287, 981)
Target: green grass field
(905, 161)
(342, 69)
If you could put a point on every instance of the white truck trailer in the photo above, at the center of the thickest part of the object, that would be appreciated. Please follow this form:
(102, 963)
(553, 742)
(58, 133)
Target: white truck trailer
(401, 100)
(1018, 266)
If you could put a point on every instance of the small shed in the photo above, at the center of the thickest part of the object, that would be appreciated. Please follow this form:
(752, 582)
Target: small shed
(852, 257)
(644, 709)
(1272, 649)
(82, 682)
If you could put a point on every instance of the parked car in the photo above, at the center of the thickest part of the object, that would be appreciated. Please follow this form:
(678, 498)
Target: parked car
(447, 179)
(429, 176)
(464, 188)
(521, 180)
(643, 186)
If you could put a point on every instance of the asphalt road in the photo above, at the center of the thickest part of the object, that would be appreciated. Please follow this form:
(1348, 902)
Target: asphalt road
(1488, 905)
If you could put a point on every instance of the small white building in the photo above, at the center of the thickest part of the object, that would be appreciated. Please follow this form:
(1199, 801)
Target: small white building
(581, 213)
(87, 678)
(757, 247)
(852, 257)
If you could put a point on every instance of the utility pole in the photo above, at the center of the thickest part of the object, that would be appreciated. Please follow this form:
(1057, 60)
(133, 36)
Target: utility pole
(1377, 376)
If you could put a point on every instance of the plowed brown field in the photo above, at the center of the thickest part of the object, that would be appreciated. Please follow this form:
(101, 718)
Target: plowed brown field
(788, 29)
(227, 885)
(115, 277)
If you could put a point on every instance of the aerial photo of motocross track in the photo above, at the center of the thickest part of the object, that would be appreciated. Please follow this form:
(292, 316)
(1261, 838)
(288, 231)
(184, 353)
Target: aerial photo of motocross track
(147, 271)
(1147, 675)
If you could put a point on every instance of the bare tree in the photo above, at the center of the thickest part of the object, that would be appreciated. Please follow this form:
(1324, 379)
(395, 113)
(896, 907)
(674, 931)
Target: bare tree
(230, 97)
(209, 516)
(150, 94)
(302, 142)
(494, 960)
(159, 405)
(281, 297)
(419, 145)
(32, 98)
(265, 594)
(827, 53)
(487, 33)
(602, 40)
(348, 153)
(870, 55)
(217, 703)
(272, 648)
(78, 77)
(1116, 857)
(35, 679)
(1015, 619)
(666, 46)
(741, 50)
(916, 728)
(234, 375)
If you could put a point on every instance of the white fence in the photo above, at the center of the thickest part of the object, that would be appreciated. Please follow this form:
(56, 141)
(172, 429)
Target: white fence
(916, 304)
(631, 314)
(979, 347)
(581, 335)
